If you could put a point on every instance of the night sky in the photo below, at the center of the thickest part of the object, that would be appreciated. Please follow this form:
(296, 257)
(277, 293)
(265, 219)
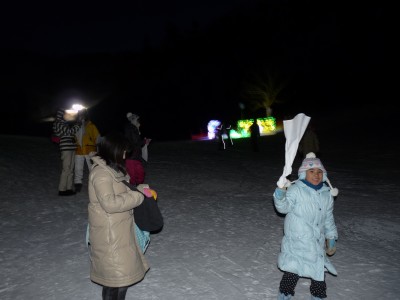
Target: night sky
(179, 64)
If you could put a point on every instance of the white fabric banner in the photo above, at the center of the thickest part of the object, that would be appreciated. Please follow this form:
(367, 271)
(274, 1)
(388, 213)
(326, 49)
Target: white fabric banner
(145, 152)
(294, 130)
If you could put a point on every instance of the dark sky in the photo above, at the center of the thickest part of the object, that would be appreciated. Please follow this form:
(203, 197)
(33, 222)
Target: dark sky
(68, 27)
(201, 52)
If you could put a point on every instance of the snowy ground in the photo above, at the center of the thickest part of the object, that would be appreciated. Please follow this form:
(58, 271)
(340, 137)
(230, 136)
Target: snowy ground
(221, 236)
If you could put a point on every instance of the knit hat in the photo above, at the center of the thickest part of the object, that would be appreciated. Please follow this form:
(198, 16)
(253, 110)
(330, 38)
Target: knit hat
(310, 162)
(131, 116)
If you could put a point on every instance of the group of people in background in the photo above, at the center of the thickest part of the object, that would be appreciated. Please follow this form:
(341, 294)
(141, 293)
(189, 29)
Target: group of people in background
(78, 139)
(309, 142)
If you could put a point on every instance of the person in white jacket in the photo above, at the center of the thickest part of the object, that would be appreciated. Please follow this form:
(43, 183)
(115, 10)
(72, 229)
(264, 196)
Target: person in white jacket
(310, 232)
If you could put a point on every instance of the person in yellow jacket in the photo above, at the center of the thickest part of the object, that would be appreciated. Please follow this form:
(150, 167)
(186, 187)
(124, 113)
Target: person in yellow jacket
(87, 138)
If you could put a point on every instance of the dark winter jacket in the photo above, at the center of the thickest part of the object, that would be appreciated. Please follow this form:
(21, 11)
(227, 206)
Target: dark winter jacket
(136, 142)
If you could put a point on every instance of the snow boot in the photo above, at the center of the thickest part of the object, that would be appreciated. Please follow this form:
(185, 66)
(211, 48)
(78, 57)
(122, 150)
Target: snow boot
(78, 187)
(66, 193)
(282, 296)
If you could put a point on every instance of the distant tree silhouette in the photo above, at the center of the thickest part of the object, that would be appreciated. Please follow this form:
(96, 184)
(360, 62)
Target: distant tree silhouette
(262, 91)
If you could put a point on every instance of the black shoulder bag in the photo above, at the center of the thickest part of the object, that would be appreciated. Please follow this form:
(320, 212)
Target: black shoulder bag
(147, 215)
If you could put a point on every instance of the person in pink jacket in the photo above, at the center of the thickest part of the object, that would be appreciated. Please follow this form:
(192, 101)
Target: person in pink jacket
(134, 157)
(135, 167)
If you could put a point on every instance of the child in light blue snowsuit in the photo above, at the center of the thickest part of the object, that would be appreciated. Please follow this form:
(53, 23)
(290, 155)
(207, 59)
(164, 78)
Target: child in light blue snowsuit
(310, 232)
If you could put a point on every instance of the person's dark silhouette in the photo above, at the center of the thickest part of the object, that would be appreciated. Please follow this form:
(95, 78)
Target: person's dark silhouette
(220, 131)
(228, 134)
(254, 135)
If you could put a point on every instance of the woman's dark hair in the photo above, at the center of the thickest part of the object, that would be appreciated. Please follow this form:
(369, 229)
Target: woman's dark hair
(111, 149)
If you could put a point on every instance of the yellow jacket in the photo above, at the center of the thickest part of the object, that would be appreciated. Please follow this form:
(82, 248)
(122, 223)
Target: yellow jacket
(87, 139)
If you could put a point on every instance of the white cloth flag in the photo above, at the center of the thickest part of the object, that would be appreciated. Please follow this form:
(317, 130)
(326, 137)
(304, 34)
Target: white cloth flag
(145, 153)
(294, 130)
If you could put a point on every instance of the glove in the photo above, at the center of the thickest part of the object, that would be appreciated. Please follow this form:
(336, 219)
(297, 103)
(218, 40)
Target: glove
(283, 182)
(330, 247)
(150, 193)
(142, 186)
(279, 193)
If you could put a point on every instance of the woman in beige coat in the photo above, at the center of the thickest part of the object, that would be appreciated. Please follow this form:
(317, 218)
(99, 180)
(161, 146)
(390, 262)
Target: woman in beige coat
(116, 259)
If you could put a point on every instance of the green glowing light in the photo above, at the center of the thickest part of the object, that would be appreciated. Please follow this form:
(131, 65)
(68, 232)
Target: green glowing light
(266, 125)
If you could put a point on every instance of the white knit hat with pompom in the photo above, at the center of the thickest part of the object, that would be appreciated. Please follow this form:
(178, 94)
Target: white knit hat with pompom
(310, 162)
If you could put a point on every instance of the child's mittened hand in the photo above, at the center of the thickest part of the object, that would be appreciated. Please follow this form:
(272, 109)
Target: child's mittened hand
(142, 186)
(330, 247)
(150, 193)
(147, 192)
(280, 193)
(281, 182)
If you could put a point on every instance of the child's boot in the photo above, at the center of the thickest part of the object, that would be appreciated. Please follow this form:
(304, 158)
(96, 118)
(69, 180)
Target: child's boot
(282, 296)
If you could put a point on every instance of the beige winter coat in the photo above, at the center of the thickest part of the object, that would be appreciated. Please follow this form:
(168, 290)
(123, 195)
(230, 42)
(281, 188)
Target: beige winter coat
(116, 259)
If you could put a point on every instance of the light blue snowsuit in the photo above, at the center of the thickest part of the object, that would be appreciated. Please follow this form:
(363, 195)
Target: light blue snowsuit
(309, 221)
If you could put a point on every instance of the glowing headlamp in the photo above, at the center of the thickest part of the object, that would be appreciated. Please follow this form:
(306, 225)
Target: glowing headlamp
(78, 107)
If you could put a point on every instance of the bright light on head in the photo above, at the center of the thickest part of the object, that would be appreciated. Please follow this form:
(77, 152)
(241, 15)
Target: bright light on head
(70, 115)
(71, 111)
(78, 107)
